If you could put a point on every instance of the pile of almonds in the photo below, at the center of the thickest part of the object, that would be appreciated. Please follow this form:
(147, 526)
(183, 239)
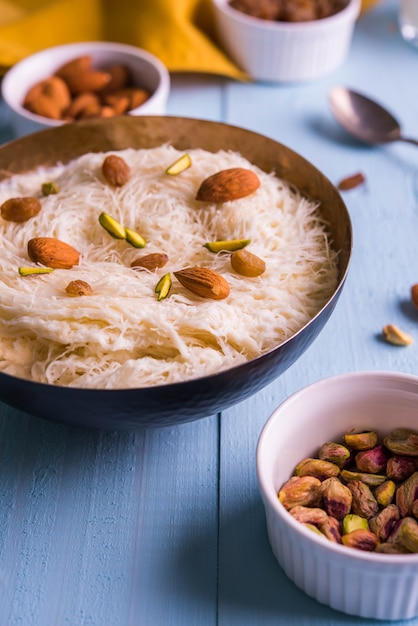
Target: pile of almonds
(360, 493)
(49, 253)
(77, 90)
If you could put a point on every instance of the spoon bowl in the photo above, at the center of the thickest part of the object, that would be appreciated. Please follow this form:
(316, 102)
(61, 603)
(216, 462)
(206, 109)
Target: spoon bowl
(364, 118)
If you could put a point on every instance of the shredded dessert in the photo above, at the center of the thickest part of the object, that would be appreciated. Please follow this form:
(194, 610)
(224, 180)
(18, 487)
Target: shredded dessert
(120, 334)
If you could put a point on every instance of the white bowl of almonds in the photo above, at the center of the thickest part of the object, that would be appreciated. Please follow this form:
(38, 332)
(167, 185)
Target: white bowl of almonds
(84, 80)
(337, 466)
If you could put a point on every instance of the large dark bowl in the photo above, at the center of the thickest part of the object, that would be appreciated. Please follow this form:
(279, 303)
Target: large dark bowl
(193, 399)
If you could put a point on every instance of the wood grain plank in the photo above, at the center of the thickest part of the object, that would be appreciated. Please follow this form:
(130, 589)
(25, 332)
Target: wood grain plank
(107, 528)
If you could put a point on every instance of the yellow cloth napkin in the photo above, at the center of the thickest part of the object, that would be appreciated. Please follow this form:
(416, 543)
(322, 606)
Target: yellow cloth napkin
(179, 32)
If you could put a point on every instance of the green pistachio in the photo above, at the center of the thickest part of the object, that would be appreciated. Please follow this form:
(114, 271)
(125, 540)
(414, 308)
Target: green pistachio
(112, 226)
(303, 491)
(163, 286)
(318, 468)
(361, 441)
(135, 239)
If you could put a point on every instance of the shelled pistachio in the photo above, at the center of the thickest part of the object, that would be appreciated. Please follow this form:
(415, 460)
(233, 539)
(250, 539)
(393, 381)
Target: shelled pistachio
(360, 492)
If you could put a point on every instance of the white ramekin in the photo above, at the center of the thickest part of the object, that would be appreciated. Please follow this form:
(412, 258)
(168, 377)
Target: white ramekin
(285, 51)
(365, 584)
(147, 71)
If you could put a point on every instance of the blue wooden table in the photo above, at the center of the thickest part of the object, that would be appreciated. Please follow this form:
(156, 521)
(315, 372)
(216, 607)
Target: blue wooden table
(166, 527)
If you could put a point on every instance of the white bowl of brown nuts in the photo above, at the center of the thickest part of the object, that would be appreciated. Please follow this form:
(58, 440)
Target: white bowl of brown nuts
(82, 81)
(337, 467)
(286, 40)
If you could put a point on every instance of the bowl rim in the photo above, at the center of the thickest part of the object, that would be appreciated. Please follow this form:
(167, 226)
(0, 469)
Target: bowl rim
(6, 86)
(349, 13)
(271, 500)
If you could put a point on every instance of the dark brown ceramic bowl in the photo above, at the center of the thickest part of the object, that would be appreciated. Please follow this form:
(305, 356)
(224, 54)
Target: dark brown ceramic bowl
(194, 399)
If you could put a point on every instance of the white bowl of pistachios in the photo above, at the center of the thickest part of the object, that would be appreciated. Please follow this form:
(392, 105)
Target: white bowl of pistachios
(337, 467)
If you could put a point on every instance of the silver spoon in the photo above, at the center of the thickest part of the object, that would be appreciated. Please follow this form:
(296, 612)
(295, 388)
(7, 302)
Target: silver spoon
(365, 119)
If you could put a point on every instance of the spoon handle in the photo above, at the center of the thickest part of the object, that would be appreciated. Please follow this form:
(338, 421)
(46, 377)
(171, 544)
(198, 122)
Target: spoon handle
(410, 140)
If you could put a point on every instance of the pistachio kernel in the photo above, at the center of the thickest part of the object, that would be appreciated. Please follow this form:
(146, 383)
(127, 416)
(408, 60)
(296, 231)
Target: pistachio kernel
(49, 188)
(162, 288)
(361, 539)
(112, 226)
(135, 239)
(230, 245)
(181, 164)
(30, 271)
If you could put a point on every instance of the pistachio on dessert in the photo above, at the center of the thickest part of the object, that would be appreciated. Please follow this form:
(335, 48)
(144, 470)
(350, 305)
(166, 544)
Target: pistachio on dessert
(163, 286)
(229, 245)
(112, 226)
(31, 271)
(181, 164)
(49, 188)
(135, 239)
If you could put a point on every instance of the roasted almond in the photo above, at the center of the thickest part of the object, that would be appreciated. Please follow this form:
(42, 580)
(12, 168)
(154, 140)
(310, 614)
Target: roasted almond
(246, 263)
(151, 261)
(229, 184)
(115, 170)
(20, 209)
(203, 282)
(351, 182)
(52, 252)
(79, 288)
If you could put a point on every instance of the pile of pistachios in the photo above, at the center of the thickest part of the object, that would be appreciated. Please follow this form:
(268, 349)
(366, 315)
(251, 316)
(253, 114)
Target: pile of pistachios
(360, 492)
